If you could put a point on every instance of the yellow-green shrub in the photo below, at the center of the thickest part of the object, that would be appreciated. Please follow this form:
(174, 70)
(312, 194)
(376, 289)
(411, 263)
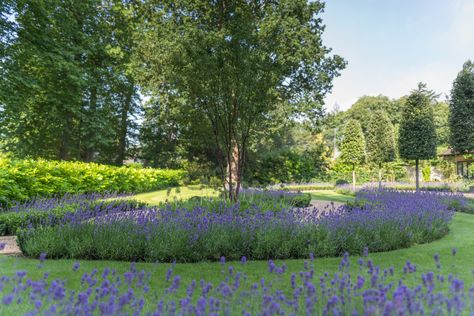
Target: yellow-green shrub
(27, 178)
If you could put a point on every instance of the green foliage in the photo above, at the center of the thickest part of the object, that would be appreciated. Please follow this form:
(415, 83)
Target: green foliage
(309, 187)
(12, 221)
(263, 200)
(67, 91)
(363, 109)
(288, 166)
(380, 139)
(353, 144)
(25, 179)
(392, 171)
(417, 138)
(461, 110)
(441, 121)
(426, 172)
(240, 68)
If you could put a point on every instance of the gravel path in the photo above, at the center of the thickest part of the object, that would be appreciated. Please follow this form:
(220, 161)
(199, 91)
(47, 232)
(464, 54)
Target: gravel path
(325, 205)
(11, 246)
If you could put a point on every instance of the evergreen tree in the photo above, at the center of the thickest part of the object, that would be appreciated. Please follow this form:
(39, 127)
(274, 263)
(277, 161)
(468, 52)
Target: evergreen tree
(353, 147)
(380, 141)
(461, 110)
(417, 133)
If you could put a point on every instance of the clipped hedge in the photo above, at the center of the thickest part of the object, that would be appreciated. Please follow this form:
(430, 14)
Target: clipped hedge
(24, 179)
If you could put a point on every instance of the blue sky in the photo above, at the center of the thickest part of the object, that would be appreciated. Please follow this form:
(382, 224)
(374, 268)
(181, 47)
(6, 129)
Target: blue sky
(391, 45)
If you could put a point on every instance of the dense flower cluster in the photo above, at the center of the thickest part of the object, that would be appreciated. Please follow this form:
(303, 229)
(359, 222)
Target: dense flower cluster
(381, 220)
(368, 290)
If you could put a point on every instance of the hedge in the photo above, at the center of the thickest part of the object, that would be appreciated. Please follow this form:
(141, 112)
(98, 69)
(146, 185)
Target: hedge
(24, 179)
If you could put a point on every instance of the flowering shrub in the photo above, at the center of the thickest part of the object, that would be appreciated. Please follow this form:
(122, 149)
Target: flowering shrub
(25, 179)
(407, 186)
(48, 211)
(384, 220)
(368, 290)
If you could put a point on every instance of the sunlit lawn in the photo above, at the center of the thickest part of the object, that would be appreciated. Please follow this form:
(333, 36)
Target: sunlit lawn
(178, 193)
(187, 192)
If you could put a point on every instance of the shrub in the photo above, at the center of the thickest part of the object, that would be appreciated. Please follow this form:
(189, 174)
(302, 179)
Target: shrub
(264, 200)
(387, 220)
(39, 212)
(24, 179)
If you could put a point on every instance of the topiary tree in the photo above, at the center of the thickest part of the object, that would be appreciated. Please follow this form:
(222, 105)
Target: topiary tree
(380, 141)
(353, 147)
(461, 110)
(417, 134)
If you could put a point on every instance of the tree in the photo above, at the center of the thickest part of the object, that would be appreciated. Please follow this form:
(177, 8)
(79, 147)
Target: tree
(365, 106)
(417, 133)
(441, 121)
(353, 147)
(461, 110)
(69, 65)
(380, 141)
(238, 64)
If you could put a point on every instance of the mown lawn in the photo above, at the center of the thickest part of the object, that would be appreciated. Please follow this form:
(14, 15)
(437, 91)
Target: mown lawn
(186, 192)
(178, 193)
(330, 195)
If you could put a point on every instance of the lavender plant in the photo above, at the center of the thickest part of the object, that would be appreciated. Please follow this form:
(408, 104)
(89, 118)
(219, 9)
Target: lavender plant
(364, 290)
(381, 220)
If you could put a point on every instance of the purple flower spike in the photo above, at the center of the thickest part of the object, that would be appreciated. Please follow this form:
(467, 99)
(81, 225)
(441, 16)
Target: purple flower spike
(243, 260)
(76, 266)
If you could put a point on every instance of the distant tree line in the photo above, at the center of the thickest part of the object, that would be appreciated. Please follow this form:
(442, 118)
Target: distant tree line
(378, 130)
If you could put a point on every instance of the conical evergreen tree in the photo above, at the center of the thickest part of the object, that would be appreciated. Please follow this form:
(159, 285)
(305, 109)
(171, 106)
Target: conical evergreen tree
(380, 141)
(353, 147)
(461, 110)
(417, 134)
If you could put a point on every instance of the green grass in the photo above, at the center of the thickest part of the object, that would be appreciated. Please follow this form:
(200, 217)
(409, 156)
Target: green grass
(178, 193)
(186, 192)
(461, 265)
(330, 195)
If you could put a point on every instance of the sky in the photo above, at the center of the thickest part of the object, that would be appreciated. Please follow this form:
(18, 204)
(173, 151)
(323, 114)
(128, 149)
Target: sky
(391, 45)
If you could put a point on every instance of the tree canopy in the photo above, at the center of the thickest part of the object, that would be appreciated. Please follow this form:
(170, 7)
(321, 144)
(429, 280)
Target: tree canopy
(417, 134)
(353, 144)
(237, 64)
(380, 139)
(461, 110)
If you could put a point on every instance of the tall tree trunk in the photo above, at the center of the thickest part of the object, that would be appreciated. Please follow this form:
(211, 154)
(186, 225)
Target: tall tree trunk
(233, 178)
(122, 137)
(417, 175)
(353, 178)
